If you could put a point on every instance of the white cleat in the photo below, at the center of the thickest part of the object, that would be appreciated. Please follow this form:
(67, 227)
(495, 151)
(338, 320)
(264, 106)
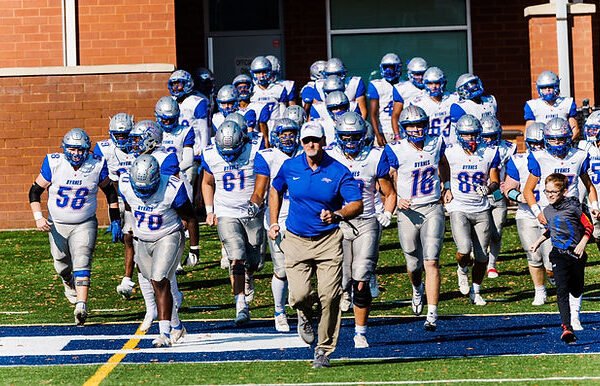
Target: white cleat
(346, 302)
(539, 298)
(70, 292)
(463, 281)
(374, 286)
(430, 323)
(360, 341)
(178, 333)
(477, 299)
(162, 341)
(81, 313)
(417, 301)
(243, 317)
(281, 323)
(125, 289)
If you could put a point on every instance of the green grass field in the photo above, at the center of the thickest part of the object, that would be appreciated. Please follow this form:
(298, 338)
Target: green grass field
(31, 293)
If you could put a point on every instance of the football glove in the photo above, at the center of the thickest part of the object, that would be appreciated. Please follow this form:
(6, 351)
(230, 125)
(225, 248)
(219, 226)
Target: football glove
(253, 209)
(193, 256)
(116, 231)
(385, 218)
(482, 190)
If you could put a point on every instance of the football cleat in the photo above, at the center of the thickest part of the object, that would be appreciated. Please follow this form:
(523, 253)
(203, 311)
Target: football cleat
(162, 341)
(417, 301)
(125, 289)
(249, 287)
(463, 281)
(346, 302)
(178, 333)
(179, 270)
(281, 322)
(360, 341)
(477, 299)
(374, 286)
(81, 313)
(539, 298)
(492, 273)
(70, 292)
(567, 335)
(242, 317)
(305, 328)
(430, 324)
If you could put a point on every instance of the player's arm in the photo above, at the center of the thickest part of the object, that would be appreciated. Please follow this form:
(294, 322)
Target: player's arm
(374, 111)
(275, 200)
(187, 158)
(592, 193)
(398, 106)
(260, 189)
(35, 197)
(386, 186)
(532, 182)
(575, 127)
(187, 214)
(362, 105)
(264, 129)
(110, 191)
(208, 194)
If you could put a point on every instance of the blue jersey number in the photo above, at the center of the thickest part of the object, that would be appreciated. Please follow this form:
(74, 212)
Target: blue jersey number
(467, 181)
(595, 174)
(77, 202)
(154, 220)
(229, 180)
(422, 181)
(440, 126)
(389, 108)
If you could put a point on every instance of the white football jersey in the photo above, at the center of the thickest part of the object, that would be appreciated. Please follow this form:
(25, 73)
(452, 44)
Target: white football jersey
(516, 168)
(366, 169)
(194, 112)
(72, 195)
(155, 217)
(290, 88)
(382, 90)
(487, 107)
(540, 111)
(117, 160)
(594, 170)
(405, 91)
(541, 164)
(175, 141)
(234, 182)
(354, 86)
(328, 127)
(274, 97)
(418, 170)
(467, 171)
(438, 113)
(505, 150)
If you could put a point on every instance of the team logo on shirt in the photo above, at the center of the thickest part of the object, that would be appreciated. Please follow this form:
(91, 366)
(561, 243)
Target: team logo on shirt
(325, 179)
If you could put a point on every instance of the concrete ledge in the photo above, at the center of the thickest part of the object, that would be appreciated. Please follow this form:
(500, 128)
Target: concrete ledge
(549, 9)
(86, 70)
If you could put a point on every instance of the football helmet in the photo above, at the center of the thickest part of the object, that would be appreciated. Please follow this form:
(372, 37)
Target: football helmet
(287, 143)
(316, 69)
(335, 66)
(275, 67)
(230, 140)
(591, 127)
(180, 83)
(469, 86)
(333, 83)
(534, 136)
(548, 79)
(227, 99)
(491, 130)
(145, 137)
(166, 112)
(435, 76)
(558, 129)
(295, 113)
(390, 67)
(413, 115)
(243, 84)
(76, 139)
(119, 128)
(470, 126)
(145, 176)
(204, 81)
(261, 69)
(239, 119)
(337, 104)
(415, 69)
(351, 133)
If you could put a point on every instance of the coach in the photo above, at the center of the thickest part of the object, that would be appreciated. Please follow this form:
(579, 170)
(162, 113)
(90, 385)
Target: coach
(322, 192)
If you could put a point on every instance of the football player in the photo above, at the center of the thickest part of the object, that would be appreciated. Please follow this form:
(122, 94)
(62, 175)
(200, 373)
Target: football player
(117, 152)
(405, 91)
(550, 104)
(436, 103)
(381, 102)
(420, 170)
(285, 144)
(72, 179)
(307, 93)
(473, 176)
(559, 156)
(257, 114)
(370, 168)
(354, 86)
(290, 85)
(491, 136)
(159, 204)
(227, 187)
(296, 114)
(528, 227)
(337, 104)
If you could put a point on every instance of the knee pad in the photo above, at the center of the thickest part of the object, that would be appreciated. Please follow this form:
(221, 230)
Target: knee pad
(362, 297)
(82, 278)
(237, 268)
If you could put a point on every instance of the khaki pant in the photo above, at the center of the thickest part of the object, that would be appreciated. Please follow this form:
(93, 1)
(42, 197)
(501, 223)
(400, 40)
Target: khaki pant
(323, 255)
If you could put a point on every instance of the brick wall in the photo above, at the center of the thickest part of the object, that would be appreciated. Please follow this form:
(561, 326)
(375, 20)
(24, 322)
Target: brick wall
(37, 111)
(30, 33)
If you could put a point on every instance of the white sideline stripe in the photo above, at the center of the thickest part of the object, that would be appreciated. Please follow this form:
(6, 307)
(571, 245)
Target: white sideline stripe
(14, 312)
(433, 381)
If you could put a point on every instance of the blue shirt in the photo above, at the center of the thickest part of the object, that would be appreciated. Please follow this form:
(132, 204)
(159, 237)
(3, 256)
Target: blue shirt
(328, 187)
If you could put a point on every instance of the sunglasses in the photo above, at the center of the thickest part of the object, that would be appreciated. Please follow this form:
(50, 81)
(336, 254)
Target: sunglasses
(308, 140)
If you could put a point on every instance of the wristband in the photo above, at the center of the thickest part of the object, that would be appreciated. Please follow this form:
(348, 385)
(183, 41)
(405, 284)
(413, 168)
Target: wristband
(397, 137)
(272, 225)
(114, 214)
(514, 195)
(594, 205)
(194, 247)
(536, 210)
(37, 216)
(447, 185)
(209, 209)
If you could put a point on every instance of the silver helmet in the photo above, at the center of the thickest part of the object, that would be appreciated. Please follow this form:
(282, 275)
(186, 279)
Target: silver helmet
(351, 133)
(119, 127)
(413, 115)
(275, 66)
(145, 137)
(261, 69)
(243, 84)
(415, 69)
(295, 113)
(558, 128)
(239, 119)
(548, 79)
(316, 69)
(468, 125)
(230, 140)
(591, 127)
(335, 66)
(390, 67)
(469, 86)
(228, 94)
(337, 100)
(76, 139)
(180, 83)
(333, 83)
(534, 136)
(435, 75)
(145, 176)
(167, 112)
(491, 130)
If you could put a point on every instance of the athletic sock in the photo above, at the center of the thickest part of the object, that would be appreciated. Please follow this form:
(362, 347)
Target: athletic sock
(476, 288)
(164, 327)
(279, 288)
(360, 329)
(147, 293)
(240, 302)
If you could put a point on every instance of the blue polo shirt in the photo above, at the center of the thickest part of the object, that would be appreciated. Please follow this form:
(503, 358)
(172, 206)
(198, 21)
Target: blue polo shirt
(327, 187)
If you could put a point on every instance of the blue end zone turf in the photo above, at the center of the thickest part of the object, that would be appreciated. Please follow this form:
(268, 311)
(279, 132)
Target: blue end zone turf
(218, 341)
